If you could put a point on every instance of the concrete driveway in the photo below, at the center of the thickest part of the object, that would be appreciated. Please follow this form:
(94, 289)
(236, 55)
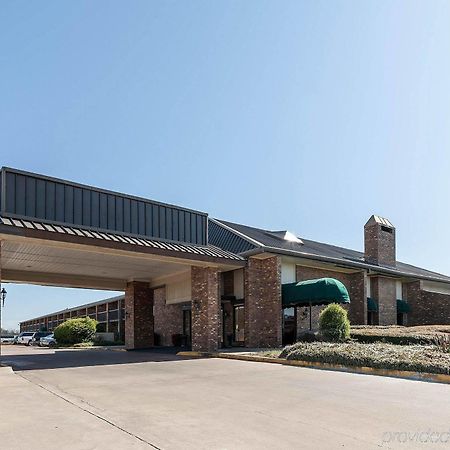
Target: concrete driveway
(157, 400)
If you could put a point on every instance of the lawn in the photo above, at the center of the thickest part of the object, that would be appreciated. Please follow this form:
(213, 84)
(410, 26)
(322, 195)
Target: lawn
(416, 349)
(421, 335)
(415, 358)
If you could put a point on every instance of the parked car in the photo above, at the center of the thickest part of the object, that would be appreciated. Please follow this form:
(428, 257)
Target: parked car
(25, 337)
(47, 341)
(38, 336)
(7, 339)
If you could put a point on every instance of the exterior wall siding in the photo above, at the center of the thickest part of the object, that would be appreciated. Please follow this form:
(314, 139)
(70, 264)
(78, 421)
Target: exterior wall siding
(32, 196)
(168, 317)
(427, 308)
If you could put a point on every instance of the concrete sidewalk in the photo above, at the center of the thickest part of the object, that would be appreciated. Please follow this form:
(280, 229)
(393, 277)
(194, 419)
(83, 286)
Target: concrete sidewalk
(71, 400)
(32, 417)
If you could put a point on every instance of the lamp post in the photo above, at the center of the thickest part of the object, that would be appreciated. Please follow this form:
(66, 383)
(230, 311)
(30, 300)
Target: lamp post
(2, 304)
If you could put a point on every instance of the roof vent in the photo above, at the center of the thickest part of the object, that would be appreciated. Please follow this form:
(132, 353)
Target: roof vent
(285, 236)
(291, 237)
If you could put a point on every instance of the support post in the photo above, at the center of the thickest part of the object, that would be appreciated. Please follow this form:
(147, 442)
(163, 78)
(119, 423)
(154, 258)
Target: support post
(205, 309)
(263, 309)
(139, 321)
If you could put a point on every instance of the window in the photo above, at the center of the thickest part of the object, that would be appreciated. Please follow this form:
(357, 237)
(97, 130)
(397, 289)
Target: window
(101, 327)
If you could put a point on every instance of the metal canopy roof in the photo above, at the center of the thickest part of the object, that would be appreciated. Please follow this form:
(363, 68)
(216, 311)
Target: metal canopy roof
(208, 251)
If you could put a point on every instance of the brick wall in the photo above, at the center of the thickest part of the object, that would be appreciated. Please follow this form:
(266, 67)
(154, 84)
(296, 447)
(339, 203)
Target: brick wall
(427, 308)
(168, 318)
(262, 285)
(355, 284)
(205, 309)
(138, 315)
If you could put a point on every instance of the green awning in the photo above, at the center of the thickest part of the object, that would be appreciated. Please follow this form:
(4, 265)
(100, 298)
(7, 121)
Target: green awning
(403, 306)
(315, 292)
(372, 305)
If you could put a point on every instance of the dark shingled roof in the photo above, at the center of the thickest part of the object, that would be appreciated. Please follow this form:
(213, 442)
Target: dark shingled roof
(254, 238)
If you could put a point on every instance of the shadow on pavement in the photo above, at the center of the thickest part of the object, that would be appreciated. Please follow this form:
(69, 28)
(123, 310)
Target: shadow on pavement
(87, 357)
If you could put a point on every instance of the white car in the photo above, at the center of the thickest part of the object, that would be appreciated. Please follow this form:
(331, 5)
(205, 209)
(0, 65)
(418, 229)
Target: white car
(47, 341)
(7, 339)
(25, 337)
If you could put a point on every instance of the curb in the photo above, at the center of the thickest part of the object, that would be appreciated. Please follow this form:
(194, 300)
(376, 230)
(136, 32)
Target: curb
(192, 354)
(94, 347)
(404, 374)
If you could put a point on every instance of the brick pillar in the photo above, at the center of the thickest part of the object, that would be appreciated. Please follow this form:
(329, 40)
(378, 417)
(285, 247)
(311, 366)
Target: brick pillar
(357, 289)
(412, 292)
(139, 323)
(263, 302)
(205, 309)
(383, 290)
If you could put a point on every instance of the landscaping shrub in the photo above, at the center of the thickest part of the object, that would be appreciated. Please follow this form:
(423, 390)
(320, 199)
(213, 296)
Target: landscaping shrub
(334, 324)
(307, 336)
(416, 358)
(75, 331)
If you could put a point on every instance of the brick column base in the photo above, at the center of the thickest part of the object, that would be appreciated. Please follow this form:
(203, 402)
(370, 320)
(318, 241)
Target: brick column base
(139, 322)
(263, 302)
(205, 309)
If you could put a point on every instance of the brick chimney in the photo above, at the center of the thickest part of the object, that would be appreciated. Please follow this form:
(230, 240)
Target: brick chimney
(379, 241)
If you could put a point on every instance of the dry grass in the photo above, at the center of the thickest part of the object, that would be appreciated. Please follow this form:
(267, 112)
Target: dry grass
(415, 358)
(270, 353)
(426, 329)
(420, 335)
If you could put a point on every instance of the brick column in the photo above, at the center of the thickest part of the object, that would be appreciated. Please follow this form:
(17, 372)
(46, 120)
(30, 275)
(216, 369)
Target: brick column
(139, 323)
(205, 309)
(383, 290)
(357, 289)
(262, 283)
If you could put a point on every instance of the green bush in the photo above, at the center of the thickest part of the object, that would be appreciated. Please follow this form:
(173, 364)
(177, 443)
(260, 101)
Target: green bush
(334, 324)
(75, 331)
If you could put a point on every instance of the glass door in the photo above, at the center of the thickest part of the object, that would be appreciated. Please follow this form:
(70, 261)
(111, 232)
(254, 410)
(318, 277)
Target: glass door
(238, 324)
(289, 325)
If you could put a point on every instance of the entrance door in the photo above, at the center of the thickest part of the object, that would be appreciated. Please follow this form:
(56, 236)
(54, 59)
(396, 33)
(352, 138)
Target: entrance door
(187, 320)
(238, 324)
(289, 325)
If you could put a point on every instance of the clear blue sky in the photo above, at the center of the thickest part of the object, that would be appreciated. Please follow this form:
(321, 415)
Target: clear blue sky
(306, 115)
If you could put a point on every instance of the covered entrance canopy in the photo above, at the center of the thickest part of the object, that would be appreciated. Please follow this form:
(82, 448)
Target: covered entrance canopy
(58, 233)
(321, 291)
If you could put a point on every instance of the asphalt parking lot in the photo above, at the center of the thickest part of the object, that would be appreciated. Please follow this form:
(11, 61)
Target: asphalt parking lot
(99, 399)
